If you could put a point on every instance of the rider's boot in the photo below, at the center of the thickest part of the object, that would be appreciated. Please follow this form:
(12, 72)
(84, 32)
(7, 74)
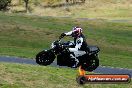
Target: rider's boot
(77, 61)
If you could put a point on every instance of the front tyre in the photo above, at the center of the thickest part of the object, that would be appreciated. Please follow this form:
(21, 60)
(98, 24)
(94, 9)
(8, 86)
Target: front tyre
(45, 57)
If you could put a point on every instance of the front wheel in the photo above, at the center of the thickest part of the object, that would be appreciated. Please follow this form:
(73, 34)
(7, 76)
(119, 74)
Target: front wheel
(45, 57)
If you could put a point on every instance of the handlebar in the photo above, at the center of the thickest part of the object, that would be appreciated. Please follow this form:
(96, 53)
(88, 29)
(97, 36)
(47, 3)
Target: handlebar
(60, 38)
(62, 44)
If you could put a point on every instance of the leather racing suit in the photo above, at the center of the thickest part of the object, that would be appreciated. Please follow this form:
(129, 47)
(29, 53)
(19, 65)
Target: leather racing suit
(80, 46)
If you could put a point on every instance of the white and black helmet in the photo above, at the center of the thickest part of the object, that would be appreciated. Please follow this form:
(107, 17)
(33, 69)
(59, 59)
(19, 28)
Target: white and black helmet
(76, 31)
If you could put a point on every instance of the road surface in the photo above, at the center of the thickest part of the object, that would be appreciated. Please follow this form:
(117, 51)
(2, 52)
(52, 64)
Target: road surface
(100, 69)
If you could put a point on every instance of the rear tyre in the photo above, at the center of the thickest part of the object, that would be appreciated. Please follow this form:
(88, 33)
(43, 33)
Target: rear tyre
(91, 64)
(45, 57)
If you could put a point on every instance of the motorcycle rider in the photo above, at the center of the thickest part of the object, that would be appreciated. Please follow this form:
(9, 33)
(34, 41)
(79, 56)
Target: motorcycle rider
(79, 43)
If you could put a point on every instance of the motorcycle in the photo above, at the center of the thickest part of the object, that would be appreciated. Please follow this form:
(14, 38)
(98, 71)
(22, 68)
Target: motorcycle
(88, 59)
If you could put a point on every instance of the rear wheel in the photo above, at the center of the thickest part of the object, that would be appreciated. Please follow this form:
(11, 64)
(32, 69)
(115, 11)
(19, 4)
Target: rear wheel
(45, 57)
(91, 64)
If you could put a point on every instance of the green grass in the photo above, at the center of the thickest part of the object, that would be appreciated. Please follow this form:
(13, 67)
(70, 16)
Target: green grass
(29, 76)
(25, 36)
(104, 9)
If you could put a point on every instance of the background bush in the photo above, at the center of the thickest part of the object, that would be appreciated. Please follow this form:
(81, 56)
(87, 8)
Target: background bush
(4, 4)
(50, 2)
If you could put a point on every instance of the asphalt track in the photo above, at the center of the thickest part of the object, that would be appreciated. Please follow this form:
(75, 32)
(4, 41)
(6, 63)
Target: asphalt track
(100, 69)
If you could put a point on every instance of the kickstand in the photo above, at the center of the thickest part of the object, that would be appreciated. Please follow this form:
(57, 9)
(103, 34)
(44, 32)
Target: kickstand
(82, 72)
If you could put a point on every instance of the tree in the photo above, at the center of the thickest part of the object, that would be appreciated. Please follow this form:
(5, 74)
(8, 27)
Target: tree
(26, 4)
(4, 4)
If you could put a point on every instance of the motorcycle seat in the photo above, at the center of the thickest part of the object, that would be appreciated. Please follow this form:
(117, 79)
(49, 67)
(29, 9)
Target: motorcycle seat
(93, 48)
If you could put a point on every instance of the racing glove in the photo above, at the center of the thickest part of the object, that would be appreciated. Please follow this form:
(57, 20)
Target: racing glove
(62, 35)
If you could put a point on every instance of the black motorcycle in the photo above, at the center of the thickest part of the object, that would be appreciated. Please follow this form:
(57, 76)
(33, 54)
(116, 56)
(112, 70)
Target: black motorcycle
(89, 60)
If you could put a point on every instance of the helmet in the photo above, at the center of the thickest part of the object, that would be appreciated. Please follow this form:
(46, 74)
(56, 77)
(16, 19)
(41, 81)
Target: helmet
(76, 31)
